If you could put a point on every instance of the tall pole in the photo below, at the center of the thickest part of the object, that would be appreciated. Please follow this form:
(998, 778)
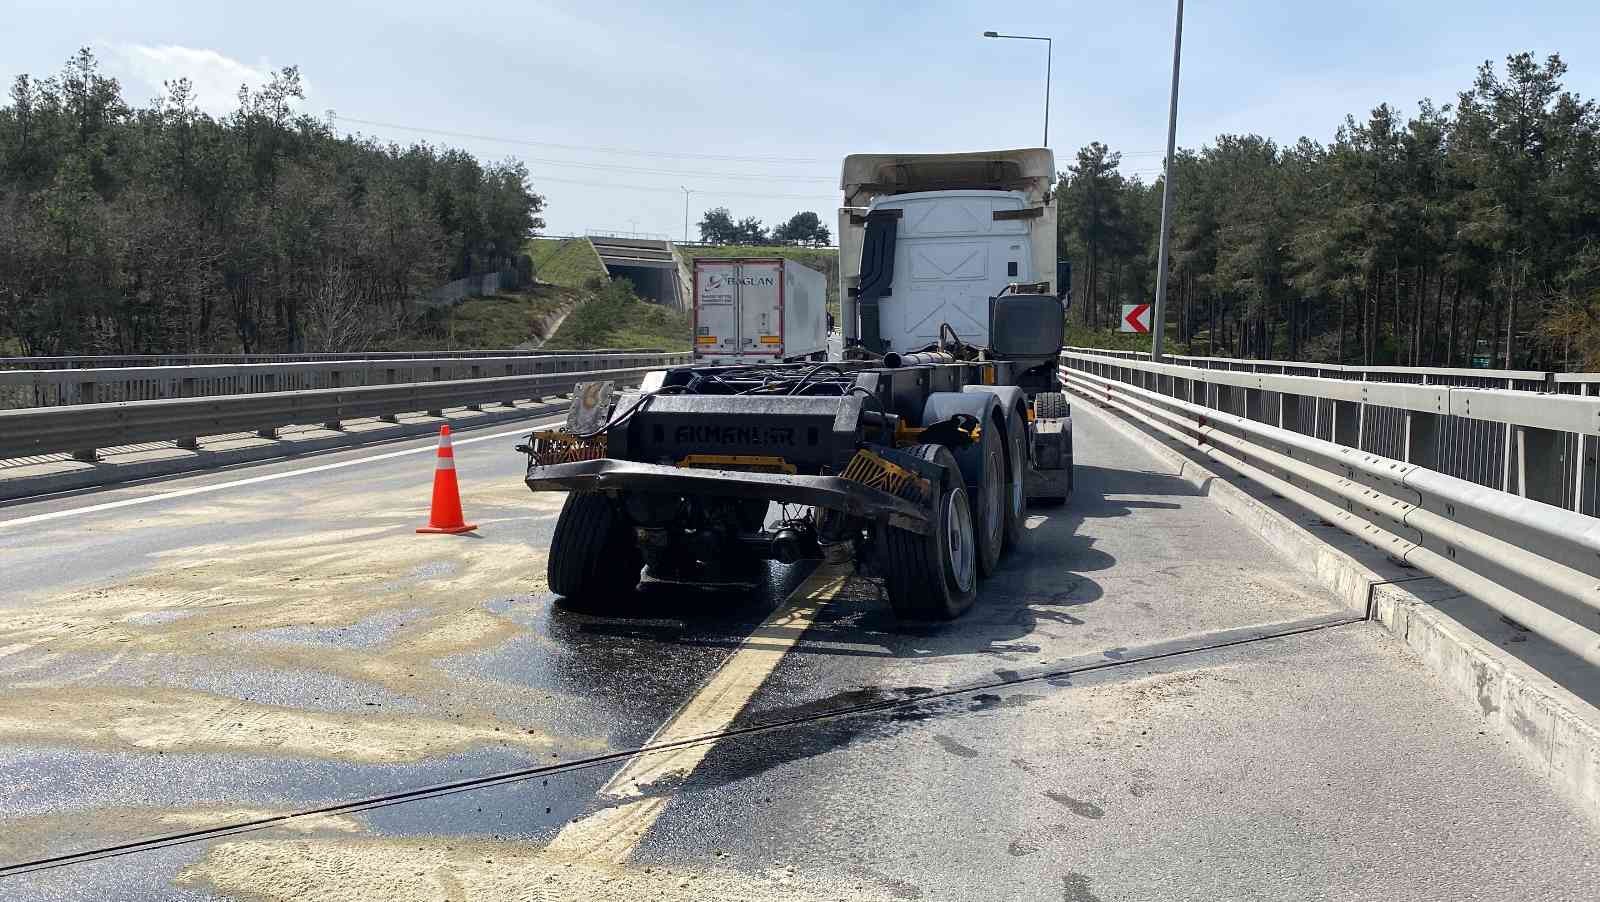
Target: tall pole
(1049, 51)
(1159, 315)
(685, 214)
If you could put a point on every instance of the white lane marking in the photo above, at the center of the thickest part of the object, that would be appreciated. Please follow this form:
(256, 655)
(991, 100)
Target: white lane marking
(611, 834)
(253, 480)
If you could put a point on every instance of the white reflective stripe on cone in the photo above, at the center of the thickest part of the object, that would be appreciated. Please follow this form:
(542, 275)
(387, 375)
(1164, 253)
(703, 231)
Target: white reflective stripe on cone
(446, 463)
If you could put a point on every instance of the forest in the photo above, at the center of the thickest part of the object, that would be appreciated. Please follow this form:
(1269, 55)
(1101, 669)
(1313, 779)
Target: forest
(1459, 231)
(162, 229)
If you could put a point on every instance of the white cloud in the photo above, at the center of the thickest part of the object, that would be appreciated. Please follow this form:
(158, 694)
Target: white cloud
(216, 77)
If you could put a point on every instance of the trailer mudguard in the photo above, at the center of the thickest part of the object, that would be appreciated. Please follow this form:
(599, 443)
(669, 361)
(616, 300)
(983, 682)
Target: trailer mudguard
(985, 406)
(1014, 406)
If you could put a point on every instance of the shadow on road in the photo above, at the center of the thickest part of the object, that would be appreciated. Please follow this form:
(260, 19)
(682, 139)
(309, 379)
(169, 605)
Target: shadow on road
(1044, 581)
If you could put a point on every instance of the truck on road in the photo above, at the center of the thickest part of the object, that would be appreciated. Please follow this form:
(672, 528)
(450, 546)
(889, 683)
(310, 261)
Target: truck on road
(758, 310)
(915, 457)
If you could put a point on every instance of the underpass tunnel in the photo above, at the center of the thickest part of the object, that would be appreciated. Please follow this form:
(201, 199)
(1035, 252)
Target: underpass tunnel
(655, 284)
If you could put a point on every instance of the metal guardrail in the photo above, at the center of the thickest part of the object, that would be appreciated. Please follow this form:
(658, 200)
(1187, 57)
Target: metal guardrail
(1478, 450)
(83, 428)
(60, 387)
(1533, 561)
(129, 360)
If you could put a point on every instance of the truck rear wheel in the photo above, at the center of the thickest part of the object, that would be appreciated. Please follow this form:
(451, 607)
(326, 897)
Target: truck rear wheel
(594, 558)
(934, 577)
(1050, 405)
(989, 499)
(1016, 485)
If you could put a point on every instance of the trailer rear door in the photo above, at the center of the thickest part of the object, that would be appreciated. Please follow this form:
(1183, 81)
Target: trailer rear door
(761, 309)
(716, 309)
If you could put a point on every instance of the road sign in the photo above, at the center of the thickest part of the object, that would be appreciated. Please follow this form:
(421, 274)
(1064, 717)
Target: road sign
(1136, 318)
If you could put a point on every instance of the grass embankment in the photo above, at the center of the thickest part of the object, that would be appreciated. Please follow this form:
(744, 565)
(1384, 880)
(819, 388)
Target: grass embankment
(570, 262)
(612, 316)
(822, 259)
(496, 321)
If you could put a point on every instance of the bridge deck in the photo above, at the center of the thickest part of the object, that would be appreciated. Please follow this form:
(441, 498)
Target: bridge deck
(1148, 703)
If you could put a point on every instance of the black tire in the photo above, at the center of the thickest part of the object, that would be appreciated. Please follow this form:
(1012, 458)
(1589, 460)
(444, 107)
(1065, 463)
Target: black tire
(1016, 485)
(593, 556)
(988, 498)
(934, 577)
(1053, 405)
(1050, 405)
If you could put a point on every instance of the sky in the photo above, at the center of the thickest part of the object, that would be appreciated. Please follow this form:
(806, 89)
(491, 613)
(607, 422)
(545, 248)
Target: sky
(617, 107)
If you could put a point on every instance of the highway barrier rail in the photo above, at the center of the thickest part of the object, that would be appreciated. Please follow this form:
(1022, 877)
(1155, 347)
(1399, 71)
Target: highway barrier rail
(1521, 538)
(93, 361)
(83, 428)
(46, 387)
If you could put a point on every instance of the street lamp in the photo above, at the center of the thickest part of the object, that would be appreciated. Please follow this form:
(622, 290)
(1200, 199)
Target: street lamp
(1159, 315)
(1049, 49)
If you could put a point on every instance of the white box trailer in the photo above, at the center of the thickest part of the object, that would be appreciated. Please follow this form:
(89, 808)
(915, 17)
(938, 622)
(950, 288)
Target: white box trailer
(751, 310)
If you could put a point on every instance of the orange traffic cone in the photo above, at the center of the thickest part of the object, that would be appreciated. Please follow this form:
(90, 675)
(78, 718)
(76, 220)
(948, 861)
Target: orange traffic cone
(445, 516)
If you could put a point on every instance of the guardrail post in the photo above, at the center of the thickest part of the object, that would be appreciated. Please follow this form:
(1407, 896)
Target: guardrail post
(1582, 482)
(1541, 459)
(1422, 439)
(1347, 423)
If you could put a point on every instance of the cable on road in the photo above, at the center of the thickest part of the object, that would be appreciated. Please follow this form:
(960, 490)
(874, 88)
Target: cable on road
(1160, 651)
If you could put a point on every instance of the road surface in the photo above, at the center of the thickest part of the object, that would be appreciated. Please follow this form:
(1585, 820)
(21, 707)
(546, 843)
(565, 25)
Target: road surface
(1148, 703)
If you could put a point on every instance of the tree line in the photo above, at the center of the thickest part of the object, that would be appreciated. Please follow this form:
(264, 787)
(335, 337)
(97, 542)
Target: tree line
(161, 228)
(718, 226)
(1464, 230)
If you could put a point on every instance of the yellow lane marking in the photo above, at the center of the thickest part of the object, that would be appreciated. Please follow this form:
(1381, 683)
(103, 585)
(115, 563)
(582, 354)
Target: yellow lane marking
(611, 834)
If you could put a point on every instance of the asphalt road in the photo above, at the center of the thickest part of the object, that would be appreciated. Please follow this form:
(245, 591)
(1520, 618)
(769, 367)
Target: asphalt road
(1148, 703)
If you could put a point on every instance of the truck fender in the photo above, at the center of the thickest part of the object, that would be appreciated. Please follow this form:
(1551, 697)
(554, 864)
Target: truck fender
(983, 405)
(1013, 406)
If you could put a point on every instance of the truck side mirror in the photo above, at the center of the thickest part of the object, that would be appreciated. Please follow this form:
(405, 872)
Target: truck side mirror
(1064, 282)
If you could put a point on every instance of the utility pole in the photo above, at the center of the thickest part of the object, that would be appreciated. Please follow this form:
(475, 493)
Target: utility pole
(1159, 315)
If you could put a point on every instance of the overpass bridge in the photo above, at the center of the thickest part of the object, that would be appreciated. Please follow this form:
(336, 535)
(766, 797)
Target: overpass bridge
(650, 264)
(1298, 634)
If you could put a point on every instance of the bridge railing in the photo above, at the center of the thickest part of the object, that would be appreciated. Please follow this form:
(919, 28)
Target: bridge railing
(102, 384)
(92, 361)
(1529, 547)
(82, 429)
(1479, 451)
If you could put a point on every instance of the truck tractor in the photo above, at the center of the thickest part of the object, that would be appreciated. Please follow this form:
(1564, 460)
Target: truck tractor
(915, 456)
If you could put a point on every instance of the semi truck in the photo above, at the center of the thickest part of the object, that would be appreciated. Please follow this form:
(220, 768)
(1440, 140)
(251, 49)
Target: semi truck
(758, 310)
(914, 458)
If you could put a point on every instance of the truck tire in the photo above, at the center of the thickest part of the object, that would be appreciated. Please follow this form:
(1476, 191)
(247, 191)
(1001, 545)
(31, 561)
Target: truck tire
(1053, 405)
(1050, 405)
(989, 499)
(1016, 485)
(594, 559)
(934, 577)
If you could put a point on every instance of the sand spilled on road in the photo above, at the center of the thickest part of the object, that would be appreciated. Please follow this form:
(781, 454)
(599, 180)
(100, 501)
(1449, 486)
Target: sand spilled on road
(31, 837)
(177, 721)
(205, 602)
(441, 870)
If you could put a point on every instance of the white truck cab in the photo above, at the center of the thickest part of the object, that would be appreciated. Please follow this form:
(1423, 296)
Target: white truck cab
(927, 239)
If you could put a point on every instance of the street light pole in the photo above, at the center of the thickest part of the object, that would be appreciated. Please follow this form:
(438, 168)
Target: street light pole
(1159, 315)
(685, 214)
(1049, 52)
